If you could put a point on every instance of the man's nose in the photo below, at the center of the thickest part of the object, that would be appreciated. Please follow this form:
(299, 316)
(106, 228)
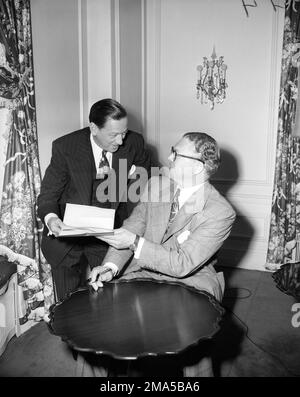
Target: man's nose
(119, 139)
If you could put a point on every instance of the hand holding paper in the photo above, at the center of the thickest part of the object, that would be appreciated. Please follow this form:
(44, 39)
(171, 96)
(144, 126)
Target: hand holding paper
(121, 238)
(84, 220)
(69, 231)
(55, 225)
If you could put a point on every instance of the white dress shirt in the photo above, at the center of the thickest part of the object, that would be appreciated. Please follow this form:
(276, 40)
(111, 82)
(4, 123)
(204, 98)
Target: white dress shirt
(97, 152)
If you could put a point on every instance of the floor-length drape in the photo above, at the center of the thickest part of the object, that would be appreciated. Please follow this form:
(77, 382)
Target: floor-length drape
(284, 238)
(20, 228)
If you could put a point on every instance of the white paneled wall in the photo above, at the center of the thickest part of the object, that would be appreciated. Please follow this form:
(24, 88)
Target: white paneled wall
(56, 71)
(178, 35)
(72, 53)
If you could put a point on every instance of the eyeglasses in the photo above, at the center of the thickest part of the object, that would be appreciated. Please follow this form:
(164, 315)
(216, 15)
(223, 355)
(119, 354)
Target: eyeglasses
(175, 154)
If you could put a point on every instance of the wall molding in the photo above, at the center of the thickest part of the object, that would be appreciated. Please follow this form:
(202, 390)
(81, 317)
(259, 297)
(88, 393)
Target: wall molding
(274, 92)
(273, 100)
(157, 70)
(144, 65)
(116, 55)
(265, 229)
(80, 61)
(276, 49)
(83, 62)
(249, 196)
(250, 182)
(151, 70)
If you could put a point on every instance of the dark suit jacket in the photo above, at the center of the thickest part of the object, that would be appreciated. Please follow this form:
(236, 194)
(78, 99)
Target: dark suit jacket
(69, 178)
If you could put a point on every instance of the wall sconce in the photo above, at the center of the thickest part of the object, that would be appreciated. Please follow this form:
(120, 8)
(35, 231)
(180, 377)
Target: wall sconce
(212, 80)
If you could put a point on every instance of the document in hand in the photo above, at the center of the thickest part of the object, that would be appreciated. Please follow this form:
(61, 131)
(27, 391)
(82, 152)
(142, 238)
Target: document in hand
(86, 220)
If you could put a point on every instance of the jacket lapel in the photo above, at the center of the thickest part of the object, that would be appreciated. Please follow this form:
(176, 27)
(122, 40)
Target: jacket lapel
(121, 164)
(192, 206)
(85, 166)
(166, 199)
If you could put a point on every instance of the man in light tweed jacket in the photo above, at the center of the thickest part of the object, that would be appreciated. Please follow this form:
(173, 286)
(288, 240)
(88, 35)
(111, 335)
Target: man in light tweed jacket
(178, 227)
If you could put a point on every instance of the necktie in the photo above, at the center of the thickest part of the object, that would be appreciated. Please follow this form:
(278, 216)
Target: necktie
(100, 194)
(174, 207)
(103, 168)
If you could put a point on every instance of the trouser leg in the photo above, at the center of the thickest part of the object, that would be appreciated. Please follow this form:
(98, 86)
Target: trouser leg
(72, 272)
(68, 278)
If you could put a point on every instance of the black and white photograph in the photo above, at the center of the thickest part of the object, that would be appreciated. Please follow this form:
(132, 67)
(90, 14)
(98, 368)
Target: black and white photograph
(149, 192)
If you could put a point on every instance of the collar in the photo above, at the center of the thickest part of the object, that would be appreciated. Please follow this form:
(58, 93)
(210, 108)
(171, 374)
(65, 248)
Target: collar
(187, 192)
(95, 147)
(196, 201)
(97, 152)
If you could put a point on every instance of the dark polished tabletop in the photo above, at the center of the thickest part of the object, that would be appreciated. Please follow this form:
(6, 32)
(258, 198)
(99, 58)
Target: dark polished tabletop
(136, 318)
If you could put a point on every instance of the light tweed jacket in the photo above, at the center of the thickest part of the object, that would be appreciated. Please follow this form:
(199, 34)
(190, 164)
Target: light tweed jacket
(184, 253)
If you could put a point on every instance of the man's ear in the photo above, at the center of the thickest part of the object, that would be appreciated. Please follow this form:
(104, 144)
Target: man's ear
(93, 128)
(199, 168)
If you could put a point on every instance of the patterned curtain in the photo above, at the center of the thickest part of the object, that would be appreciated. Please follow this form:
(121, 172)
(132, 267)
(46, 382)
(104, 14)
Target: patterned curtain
(20, 229)
(284, 239)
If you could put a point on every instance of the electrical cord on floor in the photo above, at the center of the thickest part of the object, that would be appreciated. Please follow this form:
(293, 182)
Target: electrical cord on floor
(227, 296)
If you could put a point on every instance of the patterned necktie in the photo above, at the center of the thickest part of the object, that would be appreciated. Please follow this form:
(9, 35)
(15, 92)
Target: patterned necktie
(103, 168)
(174, 207)
(100, 195)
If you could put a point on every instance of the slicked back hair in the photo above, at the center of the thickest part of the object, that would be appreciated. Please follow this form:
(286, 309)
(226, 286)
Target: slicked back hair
(105, 109)
(208, 149)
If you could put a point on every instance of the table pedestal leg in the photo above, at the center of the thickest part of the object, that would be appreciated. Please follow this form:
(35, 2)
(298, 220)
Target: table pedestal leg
(86, 369)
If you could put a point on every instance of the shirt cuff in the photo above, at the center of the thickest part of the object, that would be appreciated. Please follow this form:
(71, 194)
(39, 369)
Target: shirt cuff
(138, 250)
(114, 268)
(46, 219)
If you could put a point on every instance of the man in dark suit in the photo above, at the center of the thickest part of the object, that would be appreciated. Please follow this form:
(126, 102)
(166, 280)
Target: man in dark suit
(73, 177)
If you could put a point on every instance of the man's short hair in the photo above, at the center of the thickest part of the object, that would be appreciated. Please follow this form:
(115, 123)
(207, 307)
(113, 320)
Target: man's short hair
(104, 109)
(207, 147)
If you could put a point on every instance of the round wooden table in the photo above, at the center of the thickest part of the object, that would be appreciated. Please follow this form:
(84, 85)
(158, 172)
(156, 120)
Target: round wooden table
(136, 318)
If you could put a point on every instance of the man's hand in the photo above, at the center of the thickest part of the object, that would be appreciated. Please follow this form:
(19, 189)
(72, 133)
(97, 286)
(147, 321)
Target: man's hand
(121, 238)
(98, 275)
(55, 225)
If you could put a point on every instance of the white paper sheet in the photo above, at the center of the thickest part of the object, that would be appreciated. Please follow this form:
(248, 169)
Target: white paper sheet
(86, 220)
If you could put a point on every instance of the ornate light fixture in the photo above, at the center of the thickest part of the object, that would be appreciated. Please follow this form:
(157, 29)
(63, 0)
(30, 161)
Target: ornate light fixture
(212, 80)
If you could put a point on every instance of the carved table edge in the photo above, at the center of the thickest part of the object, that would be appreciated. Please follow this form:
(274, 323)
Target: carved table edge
(216, 326)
